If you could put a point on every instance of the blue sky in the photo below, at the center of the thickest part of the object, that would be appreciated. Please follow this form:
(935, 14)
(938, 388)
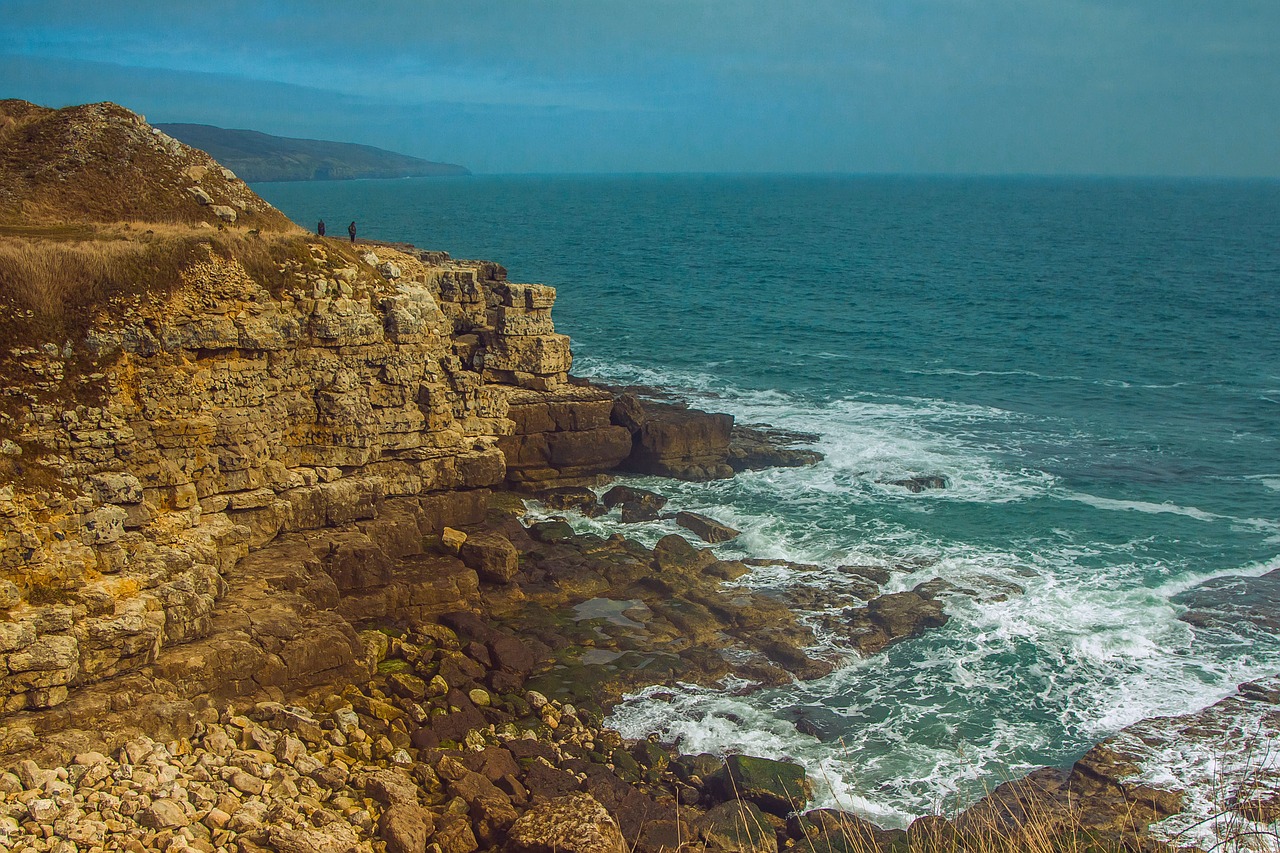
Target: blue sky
(1134, 87)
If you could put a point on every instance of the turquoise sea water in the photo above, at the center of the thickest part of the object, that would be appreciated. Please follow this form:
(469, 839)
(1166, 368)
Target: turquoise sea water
(1093, 364)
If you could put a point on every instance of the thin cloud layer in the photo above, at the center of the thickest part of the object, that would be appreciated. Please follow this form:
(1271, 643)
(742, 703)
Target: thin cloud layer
(988, 86)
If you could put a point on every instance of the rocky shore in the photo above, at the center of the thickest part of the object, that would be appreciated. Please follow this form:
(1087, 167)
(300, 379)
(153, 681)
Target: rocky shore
(269, 581)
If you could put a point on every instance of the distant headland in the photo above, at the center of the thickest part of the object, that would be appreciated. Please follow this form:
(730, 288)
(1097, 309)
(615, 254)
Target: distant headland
(256, 156)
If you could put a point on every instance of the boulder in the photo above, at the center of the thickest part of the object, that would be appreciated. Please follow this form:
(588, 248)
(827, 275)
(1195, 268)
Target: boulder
(778, 787)
(492, 555)
(576, 823)
(577, 498)
(736, 827)
(405, 828)
(893, 617)
(551, 532)
(675, 553)
(707, 529)
(637, 504)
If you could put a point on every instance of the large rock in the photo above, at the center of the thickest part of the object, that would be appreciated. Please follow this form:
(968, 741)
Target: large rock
(736, 827)
(405, 828)
(637, 504)
(562, 437)
(706, 528)
(894, 617)
(778, 787)
(492, 555)
(576, 823)
(754, 448)
(669, 440)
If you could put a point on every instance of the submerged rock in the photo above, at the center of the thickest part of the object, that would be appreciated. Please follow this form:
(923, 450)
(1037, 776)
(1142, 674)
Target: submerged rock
(919, 483)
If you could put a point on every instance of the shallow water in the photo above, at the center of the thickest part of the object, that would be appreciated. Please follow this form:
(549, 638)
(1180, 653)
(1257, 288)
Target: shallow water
(1094, 366)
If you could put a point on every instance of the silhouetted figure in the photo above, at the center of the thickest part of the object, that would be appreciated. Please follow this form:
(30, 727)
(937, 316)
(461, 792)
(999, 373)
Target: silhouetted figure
(320, 228)
(351, 229)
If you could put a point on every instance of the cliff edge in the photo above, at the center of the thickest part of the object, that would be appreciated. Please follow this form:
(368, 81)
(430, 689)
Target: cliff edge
(183, 386)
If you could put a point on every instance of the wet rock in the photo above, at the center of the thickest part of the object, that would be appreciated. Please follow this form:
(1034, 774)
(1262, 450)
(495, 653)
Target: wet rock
(707, 529)
(919, 483)
(673, 552)
(573, 824)
(551, 531)
(575, 498)
(510, 654)
(673, 441)
(637, 504)
(894, 617)
(752, 448)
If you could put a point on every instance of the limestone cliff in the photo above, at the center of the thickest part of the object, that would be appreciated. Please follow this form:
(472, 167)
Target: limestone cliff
(331, 389)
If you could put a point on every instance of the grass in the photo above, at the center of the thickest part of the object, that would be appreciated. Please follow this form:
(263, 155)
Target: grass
(101, 163)
(53, 286)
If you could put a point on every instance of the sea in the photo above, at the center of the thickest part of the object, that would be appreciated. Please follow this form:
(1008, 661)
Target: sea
(1092, 364)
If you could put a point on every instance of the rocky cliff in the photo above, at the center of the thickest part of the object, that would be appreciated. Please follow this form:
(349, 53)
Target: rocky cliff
(241, 410)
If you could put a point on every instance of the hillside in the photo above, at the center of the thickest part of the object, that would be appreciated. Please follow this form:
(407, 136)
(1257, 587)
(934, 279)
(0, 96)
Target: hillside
(100, 163)
(262, 157)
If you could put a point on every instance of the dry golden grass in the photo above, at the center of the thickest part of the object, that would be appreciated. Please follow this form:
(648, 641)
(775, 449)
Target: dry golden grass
(51, 284)
(101, 163)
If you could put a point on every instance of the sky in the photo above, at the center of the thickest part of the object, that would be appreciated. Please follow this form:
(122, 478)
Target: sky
(1097, 87)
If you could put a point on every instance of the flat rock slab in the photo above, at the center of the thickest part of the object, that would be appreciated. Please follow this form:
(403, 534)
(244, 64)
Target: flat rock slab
(706, 528)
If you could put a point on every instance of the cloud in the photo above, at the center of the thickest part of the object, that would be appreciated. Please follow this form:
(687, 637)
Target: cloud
(698, 84)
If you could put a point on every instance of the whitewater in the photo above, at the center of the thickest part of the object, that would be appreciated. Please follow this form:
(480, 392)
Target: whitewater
(1092, 365)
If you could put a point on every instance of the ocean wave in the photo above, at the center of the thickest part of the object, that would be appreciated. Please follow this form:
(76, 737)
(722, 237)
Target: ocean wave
(1031, 374)
(936, 721)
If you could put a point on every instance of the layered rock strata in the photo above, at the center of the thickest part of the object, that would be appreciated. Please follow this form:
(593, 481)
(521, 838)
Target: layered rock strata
(227, 415)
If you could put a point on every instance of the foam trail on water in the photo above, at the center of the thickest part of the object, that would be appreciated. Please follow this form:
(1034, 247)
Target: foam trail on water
(1141, 506)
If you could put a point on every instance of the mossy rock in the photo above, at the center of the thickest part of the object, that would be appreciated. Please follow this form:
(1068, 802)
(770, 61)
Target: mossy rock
(394, 665)
(651, 756)
(625, 766)
(778, 787)
(549, 532)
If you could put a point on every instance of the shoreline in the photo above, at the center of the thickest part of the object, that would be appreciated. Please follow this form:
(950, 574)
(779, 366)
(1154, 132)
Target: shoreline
(262, 505)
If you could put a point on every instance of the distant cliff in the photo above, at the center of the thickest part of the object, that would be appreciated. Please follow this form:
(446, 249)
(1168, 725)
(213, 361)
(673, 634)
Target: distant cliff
(258, 156)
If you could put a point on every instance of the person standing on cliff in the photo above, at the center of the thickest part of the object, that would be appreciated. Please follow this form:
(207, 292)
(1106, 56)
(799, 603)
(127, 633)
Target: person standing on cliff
(320, 228)
(351, 229)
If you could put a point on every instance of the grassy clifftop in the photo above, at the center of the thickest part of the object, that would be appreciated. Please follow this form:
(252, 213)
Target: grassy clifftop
(101, 163)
